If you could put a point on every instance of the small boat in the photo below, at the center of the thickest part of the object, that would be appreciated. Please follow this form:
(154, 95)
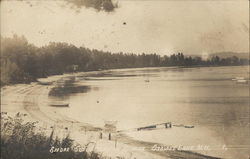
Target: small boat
(59, 105)
(147, 80)
(188, 126)
(243, 81)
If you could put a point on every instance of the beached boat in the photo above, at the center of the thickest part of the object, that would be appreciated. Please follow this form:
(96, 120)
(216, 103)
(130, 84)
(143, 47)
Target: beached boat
(188, 126)
(59, 105)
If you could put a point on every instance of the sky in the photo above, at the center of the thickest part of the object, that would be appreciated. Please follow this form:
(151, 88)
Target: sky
(136, 26)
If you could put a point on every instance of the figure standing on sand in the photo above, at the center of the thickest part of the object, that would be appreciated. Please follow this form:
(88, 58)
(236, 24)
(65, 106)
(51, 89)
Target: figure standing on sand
(109, 136)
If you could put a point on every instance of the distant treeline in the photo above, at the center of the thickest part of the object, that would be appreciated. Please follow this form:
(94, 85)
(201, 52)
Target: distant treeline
(22, 62)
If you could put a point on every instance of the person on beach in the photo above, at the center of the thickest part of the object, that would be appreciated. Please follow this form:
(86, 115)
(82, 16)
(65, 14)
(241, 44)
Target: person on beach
(109, 136)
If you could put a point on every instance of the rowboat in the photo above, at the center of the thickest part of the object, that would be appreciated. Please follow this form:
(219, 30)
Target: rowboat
(188, 126)
(59, 105)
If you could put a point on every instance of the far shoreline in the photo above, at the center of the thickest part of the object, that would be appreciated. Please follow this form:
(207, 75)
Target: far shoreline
(117, 69)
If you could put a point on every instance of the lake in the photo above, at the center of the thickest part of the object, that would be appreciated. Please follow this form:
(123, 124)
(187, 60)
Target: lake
(206, 98)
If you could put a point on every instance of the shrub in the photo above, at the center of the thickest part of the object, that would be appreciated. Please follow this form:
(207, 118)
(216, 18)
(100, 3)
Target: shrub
(20, 140)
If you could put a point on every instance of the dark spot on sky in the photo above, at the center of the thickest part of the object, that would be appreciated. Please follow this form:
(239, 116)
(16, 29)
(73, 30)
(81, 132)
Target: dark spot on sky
(99, 5)
(124, 23)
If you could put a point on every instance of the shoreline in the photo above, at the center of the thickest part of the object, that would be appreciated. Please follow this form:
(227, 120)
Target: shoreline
(117, 69)
(32, 99)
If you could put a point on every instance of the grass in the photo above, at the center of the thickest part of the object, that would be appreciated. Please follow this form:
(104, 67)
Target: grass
(21, 140)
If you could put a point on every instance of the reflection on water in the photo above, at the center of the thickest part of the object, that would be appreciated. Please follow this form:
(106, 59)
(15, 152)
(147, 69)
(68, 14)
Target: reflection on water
(204, 97)
(68, 90)
(111, 74)
(66, 87)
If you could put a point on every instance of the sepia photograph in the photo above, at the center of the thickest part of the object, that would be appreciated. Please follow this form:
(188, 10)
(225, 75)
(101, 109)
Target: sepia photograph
(125, 79)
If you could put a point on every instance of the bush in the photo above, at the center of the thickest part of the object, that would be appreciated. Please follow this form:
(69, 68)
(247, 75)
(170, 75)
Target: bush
(19, 140)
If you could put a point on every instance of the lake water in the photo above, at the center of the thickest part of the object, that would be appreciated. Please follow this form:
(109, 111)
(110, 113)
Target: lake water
(206, 98)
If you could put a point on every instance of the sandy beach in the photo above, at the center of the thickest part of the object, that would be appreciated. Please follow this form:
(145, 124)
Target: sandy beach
(32, 99)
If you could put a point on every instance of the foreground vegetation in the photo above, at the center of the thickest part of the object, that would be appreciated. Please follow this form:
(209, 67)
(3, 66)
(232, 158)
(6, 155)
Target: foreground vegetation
(22, 62)
(21, 140)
